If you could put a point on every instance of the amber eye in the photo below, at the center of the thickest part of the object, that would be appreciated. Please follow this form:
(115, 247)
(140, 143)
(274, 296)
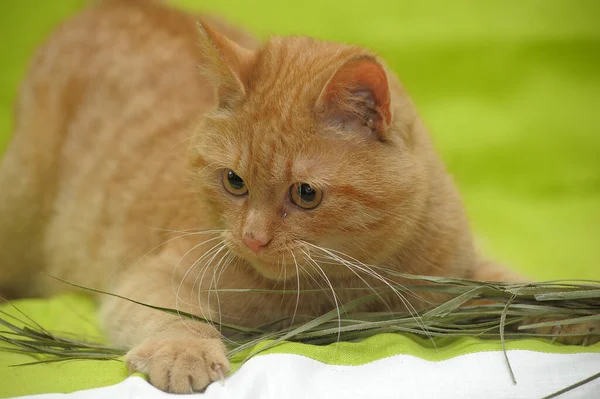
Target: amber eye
(233, 183)
(305, 196)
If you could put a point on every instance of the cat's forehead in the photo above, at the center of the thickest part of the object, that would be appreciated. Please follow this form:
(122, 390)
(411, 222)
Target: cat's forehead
(292, 72)
(273, 158)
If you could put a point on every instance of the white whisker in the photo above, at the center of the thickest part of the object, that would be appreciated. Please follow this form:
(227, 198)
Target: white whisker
(335, 298)
(369, 286)
(176, 292)
(369, 271)
(177, 296)
(212, 254)
(217, 272)
(298, 288)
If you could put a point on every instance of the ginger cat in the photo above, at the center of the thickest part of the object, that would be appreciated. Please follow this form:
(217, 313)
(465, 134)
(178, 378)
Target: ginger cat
(159, 160)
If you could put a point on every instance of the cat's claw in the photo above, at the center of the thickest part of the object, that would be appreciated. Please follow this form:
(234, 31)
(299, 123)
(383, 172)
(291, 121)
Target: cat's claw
(219, 371)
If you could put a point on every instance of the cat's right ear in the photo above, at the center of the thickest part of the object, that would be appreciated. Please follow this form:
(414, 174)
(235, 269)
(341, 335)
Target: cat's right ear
(226, 64)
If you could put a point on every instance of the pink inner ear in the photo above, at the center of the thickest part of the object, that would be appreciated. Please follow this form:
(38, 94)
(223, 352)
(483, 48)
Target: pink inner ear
(362, 75)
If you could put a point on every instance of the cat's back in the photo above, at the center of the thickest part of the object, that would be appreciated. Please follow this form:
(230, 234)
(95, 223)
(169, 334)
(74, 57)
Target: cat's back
(118, 61)
(98, 155)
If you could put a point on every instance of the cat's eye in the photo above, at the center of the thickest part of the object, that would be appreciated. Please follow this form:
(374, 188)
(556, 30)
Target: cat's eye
(305, 196)
(233, 183)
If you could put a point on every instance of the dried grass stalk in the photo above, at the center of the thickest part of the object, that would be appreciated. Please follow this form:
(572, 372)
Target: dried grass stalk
(503, 316)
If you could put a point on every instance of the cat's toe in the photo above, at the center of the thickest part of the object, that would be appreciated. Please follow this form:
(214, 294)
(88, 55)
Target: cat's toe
(183, 365)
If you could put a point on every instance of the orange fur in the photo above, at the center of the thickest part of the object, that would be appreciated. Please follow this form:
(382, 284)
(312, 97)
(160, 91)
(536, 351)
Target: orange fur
(124, 125)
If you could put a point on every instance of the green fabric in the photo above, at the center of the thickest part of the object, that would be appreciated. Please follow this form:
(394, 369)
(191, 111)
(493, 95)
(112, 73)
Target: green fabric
(510, 90)
(75, 315)
(70, 314)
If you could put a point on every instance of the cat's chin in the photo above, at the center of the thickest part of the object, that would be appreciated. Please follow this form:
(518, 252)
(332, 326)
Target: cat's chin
(270, 270)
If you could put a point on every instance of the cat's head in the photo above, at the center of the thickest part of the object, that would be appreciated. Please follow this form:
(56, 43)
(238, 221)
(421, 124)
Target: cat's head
(311, 152)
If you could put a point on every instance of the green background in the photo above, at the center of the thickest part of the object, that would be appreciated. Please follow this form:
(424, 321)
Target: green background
(509, 89)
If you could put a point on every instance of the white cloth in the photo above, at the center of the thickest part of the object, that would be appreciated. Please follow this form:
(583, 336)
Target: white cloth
(476, 375)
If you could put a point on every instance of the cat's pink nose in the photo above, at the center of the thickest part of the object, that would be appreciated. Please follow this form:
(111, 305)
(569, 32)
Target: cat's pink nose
(257, 243)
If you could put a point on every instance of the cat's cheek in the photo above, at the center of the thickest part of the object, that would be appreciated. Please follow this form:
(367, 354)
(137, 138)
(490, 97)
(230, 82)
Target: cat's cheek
(222, 206)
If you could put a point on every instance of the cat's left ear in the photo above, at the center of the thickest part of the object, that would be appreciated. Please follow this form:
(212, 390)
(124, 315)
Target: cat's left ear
(357, 98)
(227, 64)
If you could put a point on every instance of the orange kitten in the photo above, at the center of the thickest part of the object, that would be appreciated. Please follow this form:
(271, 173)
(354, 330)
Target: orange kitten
(159, 161)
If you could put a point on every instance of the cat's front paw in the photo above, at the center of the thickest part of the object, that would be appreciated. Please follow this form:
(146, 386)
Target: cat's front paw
(179, 365)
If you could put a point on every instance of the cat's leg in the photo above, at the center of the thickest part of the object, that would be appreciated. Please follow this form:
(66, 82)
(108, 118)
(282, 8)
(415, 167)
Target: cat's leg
(178, 355)
(572, 334)
(21, 219)
(487, 270)
(28, 180)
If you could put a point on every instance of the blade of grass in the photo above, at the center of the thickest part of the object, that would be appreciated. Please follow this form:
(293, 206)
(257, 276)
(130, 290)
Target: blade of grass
(503, 341)
(162, 309)
(316, 322)
(57, 360)
(554, 323)
(573, 386)
(36, 324)
(553, 296)
(454, 303)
